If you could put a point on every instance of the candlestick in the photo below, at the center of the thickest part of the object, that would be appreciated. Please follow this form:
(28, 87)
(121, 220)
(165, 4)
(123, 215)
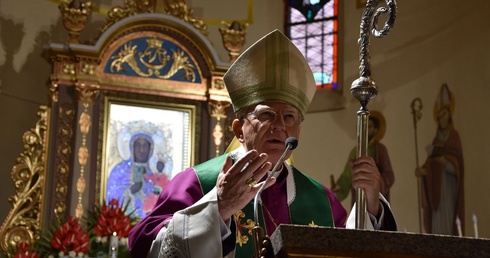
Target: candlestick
(475, 225)
(113, 245)
(458, 224)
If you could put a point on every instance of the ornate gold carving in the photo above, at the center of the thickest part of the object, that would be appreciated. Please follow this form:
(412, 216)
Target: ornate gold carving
(83, 154)
(79, 210)
(147, 5)
(312, 224)
(179, 9)
(64, 134)
(85, 123)
(53, 91)
(86, 93)
(29, 175)
(218, 136)
(233, 36)
(131, 7)
(69, 68)
(242, 239)
(88, 68)
(74, 14)
(219, 84)
(155, 59)
(218, 111)
(117, 13)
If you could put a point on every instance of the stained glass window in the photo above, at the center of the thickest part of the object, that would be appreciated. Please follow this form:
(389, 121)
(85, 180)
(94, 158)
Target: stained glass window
(312, 25)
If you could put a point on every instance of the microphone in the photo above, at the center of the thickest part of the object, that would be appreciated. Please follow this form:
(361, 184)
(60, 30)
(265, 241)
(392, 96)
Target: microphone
(291, 144)
(262, 247)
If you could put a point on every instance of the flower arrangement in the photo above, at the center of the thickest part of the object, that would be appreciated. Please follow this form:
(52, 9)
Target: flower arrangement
(107, 225)
(68, 239)
(24, 251)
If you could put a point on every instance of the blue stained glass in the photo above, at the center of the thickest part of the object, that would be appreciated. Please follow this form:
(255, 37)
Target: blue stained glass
(321, 78)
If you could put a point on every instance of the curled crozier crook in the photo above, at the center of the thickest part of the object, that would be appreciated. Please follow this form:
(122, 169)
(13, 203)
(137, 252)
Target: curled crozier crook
(364, 88)
(391, 10)
(369, 21)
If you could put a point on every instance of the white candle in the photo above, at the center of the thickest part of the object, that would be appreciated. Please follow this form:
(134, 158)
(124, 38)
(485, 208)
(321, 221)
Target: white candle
(113, 245)
(458, 224)
(475, 225)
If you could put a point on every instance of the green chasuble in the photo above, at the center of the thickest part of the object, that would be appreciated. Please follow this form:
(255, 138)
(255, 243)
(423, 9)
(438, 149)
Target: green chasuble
(310, 206)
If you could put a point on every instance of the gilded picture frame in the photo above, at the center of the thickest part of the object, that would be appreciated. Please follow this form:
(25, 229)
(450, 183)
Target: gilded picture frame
(145, 144)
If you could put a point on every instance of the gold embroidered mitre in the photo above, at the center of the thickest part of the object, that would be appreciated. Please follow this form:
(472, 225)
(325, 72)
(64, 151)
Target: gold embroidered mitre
(272, 69)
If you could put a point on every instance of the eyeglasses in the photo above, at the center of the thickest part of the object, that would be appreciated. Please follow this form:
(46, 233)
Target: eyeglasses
(290, 118)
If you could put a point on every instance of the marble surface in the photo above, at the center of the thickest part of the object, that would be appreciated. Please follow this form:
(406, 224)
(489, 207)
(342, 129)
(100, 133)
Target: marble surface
(304, 241)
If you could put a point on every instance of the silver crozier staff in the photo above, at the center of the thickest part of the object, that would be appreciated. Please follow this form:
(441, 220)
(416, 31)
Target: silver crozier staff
(364, 89)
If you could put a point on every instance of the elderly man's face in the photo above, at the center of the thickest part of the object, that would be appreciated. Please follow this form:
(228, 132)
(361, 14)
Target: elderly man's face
(266, 127)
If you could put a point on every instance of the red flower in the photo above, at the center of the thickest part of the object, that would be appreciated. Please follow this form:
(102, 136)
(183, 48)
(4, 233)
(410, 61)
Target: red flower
(23, 251)
(70, 237)
(112, 219)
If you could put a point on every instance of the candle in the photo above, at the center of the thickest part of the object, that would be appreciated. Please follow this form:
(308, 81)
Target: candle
(458, 224)
(475, 225)
(113, 245)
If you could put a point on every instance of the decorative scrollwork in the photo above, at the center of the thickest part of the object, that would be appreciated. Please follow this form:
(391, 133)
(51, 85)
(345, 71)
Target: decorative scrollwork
(247, 227)
(66, 117)
(29, 176)
(179, 9)
(117, 13)
(154, 60)
(86, 94)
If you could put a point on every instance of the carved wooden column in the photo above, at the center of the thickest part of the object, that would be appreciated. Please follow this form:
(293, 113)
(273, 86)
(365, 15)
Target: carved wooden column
(86, 95)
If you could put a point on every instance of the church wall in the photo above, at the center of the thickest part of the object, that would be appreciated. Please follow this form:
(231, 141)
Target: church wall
(432, 42)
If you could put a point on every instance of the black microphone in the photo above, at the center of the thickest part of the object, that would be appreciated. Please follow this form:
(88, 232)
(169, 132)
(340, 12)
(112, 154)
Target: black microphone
(291, 144)
(261, 243)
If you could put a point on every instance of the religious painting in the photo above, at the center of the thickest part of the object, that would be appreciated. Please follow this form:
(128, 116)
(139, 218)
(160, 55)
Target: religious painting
(442, 174)
(145, 145)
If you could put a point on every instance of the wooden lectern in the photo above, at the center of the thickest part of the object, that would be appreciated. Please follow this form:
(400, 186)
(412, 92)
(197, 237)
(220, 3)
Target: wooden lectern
(304, 241)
